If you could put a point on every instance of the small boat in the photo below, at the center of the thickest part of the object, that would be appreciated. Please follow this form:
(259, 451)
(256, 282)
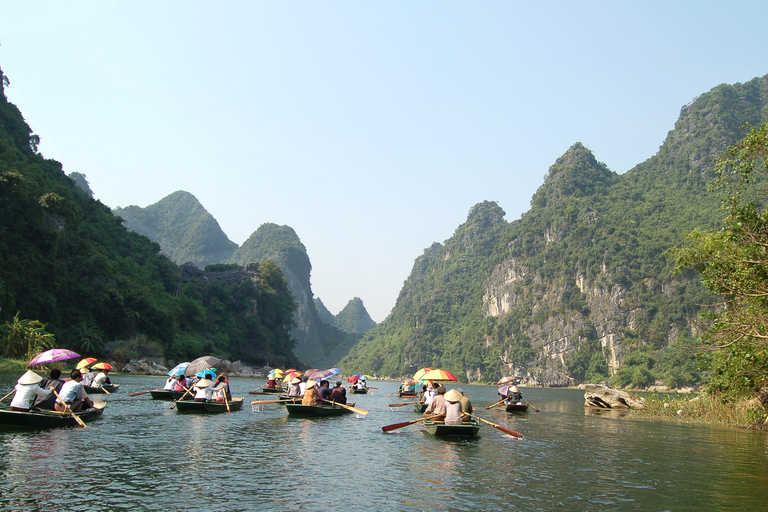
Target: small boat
(167, 394)
(48, 419)
(439, 428)
(516, 407)
(357, 391)
(91, 390)
(420, 407)
(317, 410)
(407, 394)
(235, 404)
(285, 399)
(259, 391)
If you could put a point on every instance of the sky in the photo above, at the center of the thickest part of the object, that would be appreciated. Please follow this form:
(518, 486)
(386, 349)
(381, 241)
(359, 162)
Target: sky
(370, 128)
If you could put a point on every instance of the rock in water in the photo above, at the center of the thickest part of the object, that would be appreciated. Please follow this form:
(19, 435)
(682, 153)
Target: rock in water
(607, 398)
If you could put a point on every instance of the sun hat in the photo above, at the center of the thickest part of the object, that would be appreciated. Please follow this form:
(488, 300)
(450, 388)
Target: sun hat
(204, 383)
(29, 377)
(514, 389)
(310, 384)
(453, 396)
(295, 380)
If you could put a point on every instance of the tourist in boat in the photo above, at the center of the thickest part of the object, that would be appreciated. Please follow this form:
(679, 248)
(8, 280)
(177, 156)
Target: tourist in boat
(170, 382)
(429, 394)
(27, 387)
(339, 393)
(453, 414)
(271, 383)
(466, 405)
(221, 388)
(100, 379)
(310, 393)
(87, 376)
(73, 396)
(324, 391)
(203, 390)
(53, 381)
(437, 405)
(181, 383)
(294, 387)
(515, 396)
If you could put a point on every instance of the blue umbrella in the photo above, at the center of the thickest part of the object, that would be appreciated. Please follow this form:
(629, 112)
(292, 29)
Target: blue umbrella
(207, 371)
(324, 374)
(178, 369)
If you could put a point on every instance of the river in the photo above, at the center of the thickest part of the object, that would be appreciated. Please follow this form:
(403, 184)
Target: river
(142, 455)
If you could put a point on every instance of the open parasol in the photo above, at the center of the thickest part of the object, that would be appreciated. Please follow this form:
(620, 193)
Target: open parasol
(85, 362)
(324, 374)
(506, 380)
(291, 375)
(178, 369)
(102, 366)
(438, 375)
(53, 355)
(420, 374)
(201, 363)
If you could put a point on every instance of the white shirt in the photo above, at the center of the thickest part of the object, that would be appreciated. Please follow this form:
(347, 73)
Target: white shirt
(206, 393)
(87, 379)
(98, 381)
(170, 383)
(25, 393)
(72, 390)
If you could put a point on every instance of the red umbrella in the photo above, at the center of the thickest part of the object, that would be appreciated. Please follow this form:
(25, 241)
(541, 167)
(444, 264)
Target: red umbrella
(102, 366)
(353, 379)
(420, 373)
(438, 375)
(53, 355)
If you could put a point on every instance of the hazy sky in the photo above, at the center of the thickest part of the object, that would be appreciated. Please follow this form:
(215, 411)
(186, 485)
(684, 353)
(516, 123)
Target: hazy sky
(371, 128)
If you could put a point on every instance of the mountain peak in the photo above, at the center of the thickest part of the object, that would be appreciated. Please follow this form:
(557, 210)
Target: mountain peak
(575, 174)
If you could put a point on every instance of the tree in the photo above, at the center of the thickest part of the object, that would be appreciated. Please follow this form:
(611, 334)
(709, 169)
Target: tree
(24, 339)
(734, 264)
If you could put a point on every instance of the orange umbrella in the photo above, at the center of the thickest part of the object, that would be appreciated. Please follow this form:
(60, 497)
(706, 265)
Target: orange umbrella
(85, 362)
(438, 375)
(420, 374)
(292, 375)
(103, 366)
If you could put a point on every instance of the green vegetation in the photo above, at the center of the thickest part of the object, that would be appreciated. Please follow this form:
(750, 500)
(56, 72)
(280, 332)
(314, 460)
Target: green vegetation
(67, 262)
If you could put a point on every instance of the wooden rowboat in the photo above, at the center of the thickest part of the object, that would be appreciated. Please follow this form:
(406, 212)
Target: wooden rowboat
(48, 419)
(167, 394)
(407, 394)
(363, 391)
(517, 407)
(317, 410)
(91, 390)
(439, 428)
(419, 407)
(235, 404)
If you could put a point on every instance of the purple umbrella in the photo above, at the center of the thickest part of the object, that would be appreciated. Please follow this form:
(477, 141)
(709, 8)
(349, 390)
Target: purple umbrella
(53, 355)
(324, 374)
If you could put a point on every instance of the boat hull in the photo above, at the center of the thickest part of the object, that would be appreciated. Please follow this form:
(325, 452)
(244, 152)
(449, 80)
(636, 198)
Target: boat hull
(47, 419)
(407, 395)
(420, 408)
(317, 410)
(187, 406)
(112, 388)
(438, 428)
(517, 407)
(358, 391)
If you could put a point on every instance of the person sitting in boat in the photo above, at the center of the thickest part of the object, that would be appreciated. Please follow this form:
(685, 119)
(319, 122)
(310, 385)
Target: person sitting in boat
(339, 393)
(453, 413)
(405, 388)
(360, 384)
(204, 390)
(515, 395)
(181, 383)
(170, 382)
(271, 383)
(466, 405)
(27, 387)
(100, 379)
(310, 393)
(87, 376)
(422, 393)
(294, 387)
(54, 382)
(324, 391)
(73, 396)
(429, 394)
(437, 406)
(221, 388)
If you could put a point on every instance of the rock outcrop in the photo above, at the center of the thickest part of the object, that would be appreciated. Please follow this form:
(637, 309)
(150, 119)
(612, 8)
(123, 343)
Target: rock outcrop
(604, 397)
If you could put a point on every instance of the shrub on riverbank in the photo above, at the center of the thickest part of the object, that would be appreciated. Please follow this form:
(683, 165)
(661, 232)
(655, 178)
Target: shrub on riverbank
(12, 365)
(706, 408)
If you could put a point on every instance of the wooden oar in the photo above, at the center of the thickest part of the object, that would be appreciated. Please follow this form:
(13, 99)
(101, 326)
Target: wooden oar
(227, 402)
(395, 426)
(513, 433)
(350, 408)
(9, 394)
(390, 394)
(261, 402)
(78, 419)
(529, 403)
(402, 404)
(373, 388)
(105, 390)
(496, 404)
(182, 396)
(142, 392)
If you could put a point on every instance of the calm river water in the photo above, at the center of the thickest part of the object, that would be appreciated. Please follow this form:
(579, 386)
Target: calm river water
(144, 456)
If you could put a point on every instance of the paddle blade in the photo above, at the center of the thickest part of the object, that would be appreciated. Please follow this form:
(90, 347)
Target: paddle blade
(140, 393)
(509, 431)
(395, 426)
(260, 402)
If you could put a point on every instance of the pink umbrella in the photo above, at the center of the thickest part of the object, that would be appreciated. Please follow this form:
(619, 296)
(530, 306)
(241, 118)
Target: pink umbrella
(53, 355)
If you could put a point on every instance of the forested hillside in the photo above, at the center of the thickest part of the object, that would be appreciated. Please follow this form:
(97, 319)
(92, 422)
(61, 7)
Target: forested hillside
(581, 286)
(66, 261)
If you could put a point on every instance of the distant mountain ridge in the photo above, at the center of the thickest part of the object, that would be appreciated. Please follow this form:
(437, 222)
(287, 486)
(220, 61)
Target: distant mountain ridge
(579, 288)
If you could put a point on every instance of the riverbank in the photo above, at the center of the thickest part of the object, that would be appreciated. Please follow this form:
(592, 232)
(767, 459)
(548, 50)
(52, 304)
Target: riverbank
(706, 408)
